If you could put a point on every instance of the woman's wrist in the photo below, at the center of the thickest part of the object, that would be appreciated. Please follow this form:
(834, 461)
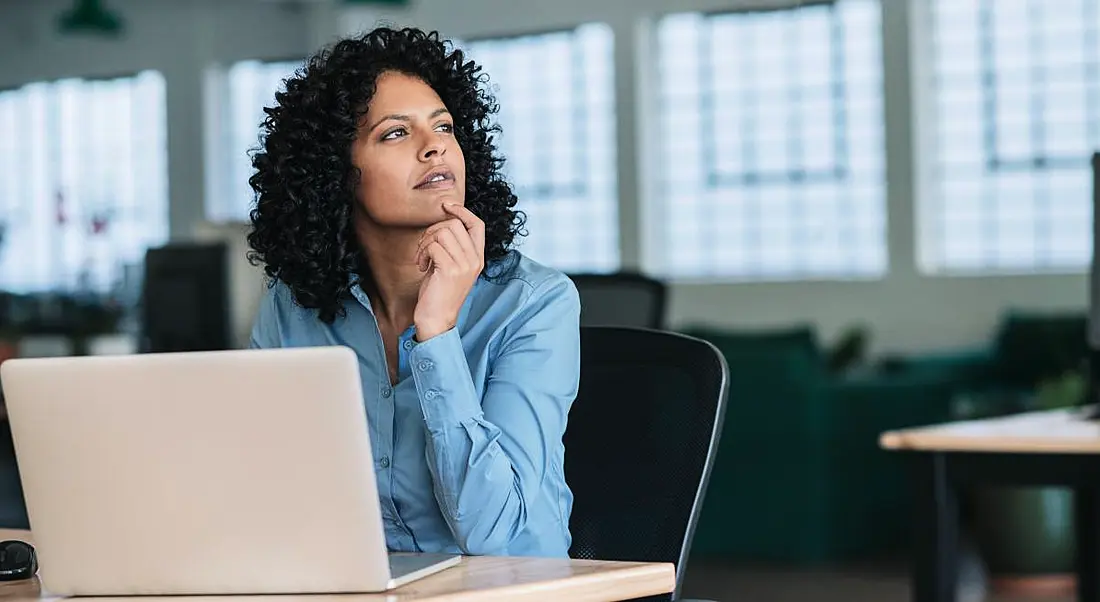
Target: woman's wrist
(429, 328)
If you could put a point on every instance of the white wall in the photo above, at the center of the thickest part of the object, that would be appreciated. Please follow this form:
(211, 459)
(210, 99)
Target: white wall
(182, 39)
(906, 310)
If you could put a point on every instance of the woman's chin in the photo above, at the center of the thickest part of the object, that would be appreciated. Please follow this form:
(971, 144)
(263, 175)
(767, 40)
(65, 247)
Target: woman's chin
(419, 220)
(420, 213)
(433, 209)
(438, 198)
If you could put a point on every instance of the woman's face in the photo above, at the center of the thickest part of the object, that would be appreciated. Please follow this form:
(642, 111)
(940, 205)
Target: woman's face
(408, 156)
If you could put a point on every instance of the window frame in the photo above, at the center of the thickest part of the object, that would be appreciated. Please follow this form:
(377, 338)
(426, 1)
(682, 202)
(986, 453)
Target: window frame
(932, 255)
(220, 138)
(58, 187)
(544, 191)
(748, 180)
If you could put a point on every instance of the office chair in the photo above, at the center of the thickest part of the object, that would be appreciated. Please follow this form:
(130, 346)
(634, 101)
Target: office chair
(185, 304)
(640, 444)
(621, 299)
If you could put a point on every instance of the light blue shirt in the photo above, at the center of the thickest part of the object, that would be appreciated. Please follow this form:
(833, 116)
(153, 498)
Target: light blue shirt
(468, 445)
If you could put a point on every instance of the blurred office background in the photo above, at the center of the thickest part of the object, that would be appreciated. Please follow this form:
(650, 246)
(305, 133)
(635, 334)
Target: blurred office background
(879, 210)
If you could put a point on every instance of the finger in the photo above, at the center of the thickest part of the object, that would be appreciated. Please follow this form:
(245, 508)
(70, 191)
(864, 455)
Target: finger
(461, 235)
(423, 261)
(465, 240)
(451, 242)
(472, 223)
(447, 223)
(428, 236)
(464, 215)
(441, 258)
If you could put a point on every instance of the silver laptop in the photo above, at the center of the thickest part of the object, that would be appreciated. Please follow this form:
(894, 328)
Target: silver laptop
(229, 472)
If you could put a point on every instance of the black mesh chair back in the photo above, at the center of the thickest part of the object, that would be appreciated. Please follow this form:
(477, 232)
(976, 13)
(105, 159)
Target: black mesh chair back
(622, 299)
(640, 443)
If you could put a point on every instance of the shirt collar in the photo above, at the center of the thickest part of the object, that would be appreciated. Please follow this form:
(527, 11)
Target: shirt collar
(357, 291)
(361, 296)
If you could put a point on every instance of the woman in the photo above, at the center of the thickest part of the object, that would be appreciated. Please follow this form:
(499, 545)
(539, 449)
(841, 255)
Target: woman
(384, 224)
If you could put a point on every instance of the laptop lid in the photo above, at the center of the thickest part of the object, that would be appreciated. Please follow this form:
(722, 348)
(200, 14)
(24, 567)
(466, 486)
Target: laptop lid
(245, 471)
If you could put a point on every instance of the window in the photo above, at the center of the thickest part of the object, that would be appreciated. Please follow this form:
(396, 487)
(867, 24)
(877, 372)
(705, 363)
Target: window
(1017, 100)
(772, 164)
(244, 89)
(83, 181)
(557, 113)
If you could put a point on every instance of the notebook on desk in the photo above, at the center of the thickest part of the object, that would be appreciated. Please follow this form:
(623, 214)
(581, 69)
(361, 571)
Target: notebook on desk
(224, 472)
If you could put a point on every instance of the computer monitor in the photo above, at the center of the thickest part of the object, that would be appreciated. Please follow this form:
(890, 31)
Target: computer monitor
(185, 298)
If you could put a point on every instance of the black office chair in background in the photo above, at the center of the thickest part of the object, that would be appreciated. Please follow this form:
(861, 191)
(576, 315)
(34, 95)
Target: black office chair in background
(640, 443)
(621, 299)
(185, 304)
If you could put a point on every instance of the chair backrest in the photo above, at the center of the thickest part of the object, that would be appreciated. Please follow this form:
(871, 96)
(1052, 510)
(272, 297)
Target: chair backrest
(640, 443)
(185, 298)
(621, 299)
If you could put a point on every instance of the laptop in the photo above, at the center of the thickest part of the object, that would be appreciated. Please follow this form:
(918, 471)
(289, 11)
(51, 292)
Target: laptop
(220, 472)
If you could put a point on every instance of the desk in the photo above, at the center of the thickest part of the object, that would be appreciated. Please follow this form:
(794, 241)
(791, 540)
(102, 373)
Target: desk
(484, 579)
(1035, 448)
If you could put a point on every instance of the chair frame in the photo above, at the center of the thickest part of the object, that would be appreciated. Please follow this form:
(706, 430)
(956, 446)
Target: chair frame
(712, 449)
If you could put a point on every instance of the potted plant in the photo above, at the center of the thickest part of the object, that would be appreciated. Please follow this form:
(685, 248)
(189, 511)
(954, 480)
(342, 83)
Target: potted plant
(1025, 535)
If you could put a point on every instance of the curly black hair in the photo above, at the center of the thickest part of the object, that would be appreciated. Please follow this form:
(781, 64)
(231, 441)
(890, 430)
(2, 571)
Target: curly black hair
(305, 183)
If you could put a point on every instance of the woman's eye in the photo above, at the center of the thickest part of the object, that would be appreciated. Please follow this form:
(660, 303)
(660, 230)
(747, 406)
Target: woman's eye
(393, 134)
(445, 127)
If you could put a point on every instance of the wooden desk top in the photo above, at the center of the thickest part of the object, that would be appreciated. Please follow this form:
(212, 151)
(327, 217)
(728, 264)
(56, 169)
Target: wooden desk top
(484, 579)
(1055, 431)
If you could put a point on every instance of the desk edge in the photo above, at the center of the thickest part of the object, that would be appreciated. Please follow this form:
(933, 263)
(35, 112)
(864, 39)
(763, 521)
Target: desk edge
(932, 443)
(635, 573)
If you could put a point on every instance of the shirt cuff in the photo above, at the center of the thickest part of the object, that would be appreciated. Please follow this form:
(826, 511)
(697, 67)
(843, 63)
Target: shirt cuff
(443, 382)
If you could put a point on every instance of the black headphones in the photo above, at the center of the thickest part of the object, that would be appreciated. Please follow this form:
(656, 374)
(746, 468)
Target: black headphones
(17, 560)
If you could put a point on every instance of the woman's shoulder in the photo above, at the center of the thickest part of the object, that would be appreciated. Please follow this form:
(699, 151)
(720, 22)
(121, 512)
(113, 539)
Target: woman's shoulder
(517, 293)
(278, 299)
(526, 278)
(281, 316)
(278, 294)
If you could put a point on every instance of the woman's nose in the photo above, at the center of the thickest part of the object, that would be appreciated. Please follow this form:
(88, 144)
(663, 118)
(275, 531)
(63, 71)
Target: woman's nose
(433, 147)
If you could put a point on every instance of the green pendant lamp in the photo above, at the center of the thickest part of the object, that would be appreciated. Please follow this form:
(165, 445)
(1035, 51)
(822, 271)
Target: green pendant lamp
(89, 17)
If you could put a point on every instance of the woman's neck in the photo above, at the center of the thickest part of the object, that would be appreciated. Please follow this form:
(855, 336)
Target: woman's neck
(394, 278)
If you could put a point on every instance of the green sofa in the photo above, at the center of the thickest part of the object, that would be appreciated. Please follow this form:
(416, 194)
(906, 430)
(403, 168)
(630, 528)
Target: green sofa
(799, 477)
(1027, 348)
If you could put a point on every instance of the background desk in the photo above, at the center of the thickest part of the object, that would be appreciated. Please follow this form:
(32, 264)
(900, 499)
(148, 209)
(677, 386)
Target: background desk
(1037, 448)
(487, 579)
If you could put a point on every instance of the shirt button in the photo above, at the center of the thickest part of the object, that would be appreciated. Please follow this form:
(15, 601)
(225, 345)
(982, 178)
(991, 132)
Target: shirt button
(387, 392)
(384, 462)
(430, 394)
(425, 365)
(408, 344)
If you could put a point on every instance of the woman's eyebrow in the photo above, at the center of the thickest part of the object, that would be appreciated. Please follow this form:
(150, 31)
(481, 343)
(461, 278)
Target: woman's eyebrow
(394, 116)
(406, 118)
